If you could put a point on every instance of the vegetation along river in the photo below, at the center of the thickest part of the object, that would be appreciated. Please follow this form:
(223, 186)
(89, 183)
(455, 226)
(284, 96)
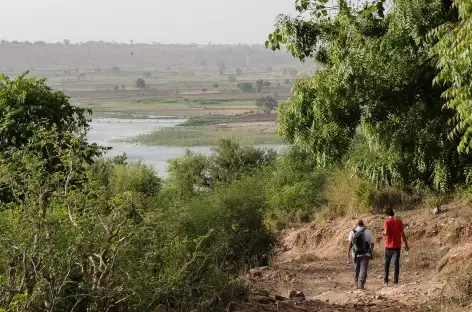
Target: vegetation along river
(108, 132)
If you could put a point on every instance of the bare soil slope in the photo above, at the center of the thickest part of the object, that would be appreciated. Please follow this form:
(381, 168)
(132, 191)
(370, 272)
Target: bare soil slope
(312, 259)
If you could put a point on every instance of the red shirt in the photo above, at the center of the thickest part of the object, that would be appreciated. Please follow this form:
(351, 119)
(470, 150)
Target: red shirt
(394, 228)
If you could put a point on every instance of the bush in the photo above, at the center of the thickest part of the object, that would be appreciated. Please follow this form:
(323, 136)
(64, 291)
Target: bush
(195, 174)
(295, 189)
(246, 87)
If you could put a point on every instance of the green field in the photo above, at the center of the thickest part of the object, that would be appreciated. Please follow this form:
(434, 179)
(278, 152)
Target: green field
(207, 135)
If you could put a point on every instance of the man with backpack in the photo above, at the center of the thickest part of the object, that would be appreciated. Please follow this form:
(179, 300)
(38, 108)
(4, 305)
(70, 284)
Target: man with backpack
(360, 252)
(394, 234)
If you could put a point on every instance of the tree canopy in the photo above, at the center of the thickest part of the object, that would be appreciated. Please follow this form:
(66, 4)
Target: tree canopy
(375, 82)
(454, 50)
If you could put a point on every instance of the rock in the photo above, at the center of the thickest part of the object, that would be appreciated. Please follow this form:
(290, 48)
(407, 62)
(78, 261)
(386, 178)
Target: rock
(300, 296)
(297, 295)
(279, 298)
(262, 299)
(257, 272)
(437, 210)
(292, 294)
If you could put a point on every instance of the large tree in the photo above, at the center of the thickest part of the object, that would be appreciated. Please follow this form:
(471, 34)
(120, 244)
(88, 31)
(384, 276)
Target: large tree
(375, 79)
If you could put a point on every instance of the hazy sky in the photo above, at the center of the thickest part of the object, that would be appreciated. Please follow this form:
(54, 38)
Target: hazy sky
(165, 21)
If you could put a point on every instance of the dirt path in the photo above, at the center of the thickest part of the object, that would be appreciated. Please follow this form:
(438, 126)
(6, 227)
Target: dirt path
(312, 260)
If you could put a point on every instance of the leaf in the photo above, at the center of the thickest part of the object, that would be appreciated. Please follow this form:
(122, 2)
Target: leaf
(267, 43)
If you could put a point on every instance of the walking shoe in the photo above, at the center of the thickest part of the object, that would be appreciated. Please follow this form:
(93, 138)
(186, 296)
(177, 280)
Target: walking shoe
(385, 284)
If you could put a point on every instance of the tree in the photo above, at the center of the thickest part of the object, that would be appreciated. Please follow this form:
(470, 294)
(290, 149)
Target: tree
(246, 87)
(216, 86)
(140, 83)
(453, 49)
(222, 67)
(232, 79)
(123, 87)
(116, 88)
(376, 78)
(267, 83)
(204, 89)
(116, 70)
(29, 104)
(239, 71)
(287, 81)
(259, 85)
(147, 74)
(267, 104)
(66, 42)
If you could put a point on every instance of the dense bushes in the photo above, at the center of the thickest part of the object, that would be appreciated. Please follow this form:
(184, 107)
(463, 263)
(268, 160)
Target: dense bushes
(111, 236)
(294, 188)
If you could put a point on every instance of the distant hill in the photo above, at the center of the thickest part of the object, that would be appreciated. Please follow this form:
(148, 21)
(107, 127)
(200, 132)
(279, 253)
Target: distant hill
(16, 57)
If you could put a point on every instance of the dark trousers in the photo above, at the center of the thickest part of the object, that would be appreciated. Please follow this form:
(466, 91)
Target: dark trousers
(389, 253)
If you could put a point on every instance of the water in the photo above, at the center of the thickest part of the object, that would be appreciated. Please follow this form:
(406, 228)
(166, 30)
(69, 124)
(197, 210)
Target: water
(105, 130)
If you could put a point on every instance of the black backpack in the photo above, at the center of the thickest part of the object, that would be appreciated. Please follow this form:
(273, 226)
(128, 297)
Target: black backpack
(359, 245)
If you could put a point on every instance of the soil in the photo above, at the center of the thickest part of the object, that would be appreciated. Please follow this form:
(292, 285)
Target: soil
(312, 259)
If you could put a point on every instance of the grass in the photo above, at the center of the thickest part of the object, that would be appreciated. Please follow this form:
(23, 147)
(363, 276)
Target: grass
(205, 136)
(169, 107)
(207, 120)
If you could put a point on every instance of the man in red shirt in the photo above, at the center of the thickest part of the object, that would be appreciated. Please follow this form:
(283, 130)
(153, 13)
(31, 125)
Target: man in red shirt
(394, 234)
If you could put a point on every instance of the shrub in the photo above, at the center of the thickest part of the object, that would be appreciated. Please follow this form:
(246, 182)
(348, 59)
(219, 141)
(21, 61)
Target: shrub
(295, 189)
(246, 87)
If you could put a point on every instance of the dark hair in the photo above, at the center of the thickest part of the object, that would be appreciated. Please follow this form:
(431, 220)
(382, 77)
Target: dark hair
(360, 223)
(390, 212)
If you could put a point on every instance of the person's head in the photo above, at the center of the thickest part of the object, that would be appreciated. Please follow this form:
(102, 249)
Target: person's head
(360, 223)
(390, 212)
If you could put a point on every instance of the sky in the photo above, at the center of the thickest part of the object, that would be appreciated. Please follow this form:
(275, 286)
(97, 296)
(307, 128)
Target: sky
(164, 21)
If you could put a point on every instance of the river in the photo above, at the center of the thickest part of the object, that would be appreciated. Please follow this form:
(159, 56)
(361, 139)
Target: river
(105, 130)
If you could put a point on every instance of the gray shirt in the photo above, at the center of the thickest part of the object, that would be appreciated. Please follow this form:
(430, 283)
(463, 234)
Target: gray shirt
(368, 237)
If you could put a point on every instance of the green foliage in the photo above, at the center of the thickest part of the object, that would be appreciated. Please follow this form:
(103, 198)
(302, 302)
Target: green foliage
(376, 79)
(118, 241)
(28, 104)
(246, 87)
(259, 85)
(147, 74)
(267, 104)
(140, 83)
(216, 86)
(454, 50)
(295, 189)
(194, 173)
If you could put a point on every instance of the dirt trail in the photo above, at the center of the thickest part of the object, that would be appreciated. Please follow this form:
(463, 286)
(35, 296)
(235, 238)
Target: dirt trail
(312, 259)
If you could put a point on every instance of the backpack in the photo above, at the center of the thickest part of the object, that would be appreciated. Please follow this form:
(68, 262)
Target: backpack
(359, 245)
